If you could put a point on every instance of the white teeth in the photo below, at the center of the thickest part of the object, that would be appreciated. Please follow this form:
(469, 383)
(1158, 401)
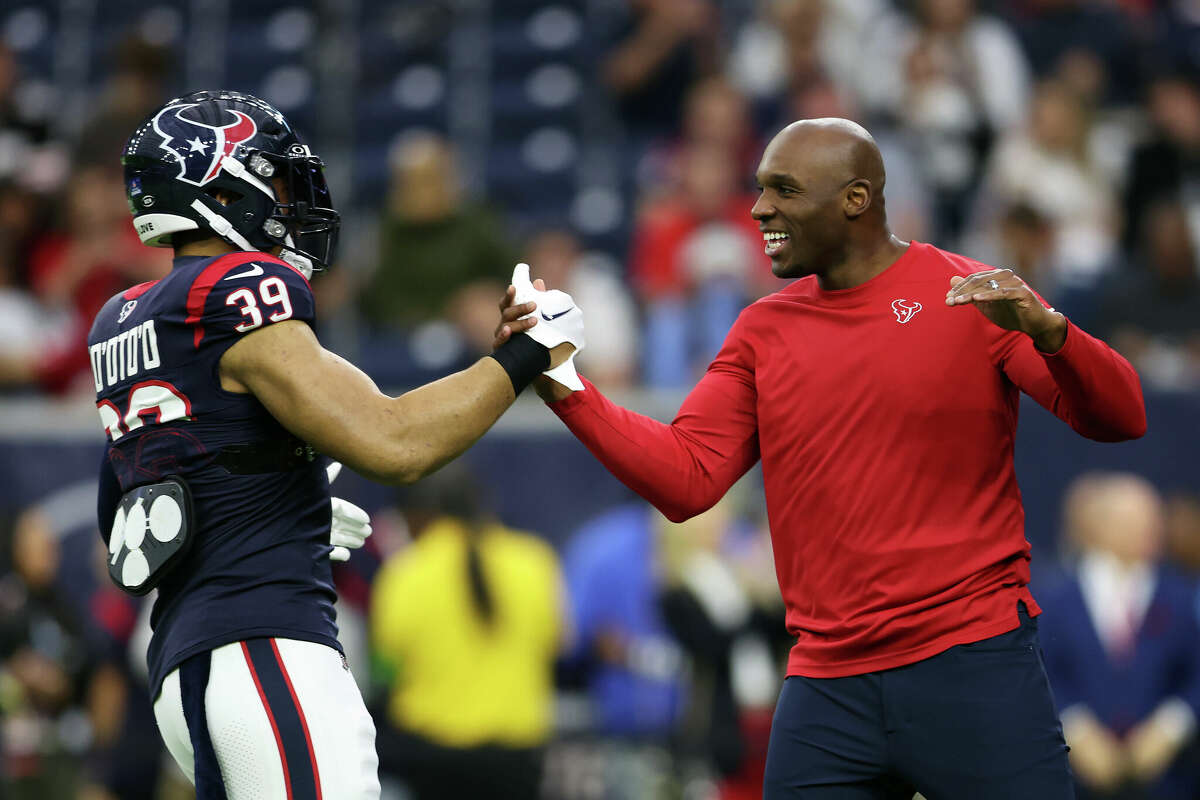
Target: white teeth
(774, 237)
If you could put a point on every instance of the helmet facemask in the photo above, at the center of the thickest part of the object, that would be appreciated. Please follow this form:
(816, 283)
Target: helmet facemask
(303, 223)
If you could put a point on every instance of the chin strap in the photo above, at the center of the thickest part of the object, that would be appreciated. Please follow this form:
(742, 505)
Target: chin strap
(291, 256)
(221, 226)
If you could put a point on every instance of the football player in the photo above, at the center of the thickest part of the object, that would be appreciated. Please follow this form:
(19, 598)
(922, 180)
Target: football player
(222, 410)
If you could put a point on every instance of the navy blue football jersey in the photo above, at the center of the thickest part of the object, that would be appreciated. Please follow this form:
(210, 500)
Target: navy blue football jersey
(258, 565)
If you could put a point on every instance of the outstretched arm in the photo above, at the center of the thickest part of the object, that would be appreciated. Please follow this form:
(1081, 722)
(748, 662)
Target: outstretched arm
(682, 468)
(330, 403)
(1077, 377)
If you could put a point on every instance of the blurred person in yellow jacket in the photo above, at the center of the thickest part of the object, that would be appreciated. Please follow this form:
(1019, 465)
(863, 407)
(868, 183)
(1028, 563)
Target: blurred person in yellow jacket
(466, 624)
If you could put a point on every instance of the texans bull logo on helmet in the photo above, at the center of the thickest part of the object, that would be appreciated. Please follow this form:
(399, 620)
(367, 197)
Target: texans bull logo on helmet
(197, 146)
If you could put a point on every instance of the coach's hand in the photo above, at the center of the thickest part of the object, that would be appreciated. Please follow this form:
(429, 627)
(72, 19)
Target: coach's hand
(1007, 301)
(557, 324)
(519, 317)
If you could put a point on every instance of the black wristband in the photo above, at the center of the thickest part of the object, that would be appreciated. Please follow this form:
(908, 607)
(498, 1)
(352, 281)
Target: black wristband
(523, 359)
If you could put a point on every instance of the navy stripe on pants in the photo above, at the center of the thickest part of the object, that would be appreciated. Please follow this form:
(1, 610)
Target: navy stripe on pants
(976, 721)
(287, 719)
(193, 683)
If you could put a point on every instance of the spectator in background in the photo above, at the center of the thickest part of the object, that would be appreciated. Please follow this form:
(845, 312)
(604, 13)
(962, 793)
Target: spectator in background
(1176, 38)
(24, 327)
(658, 50)
(29, 155)
(465, 626)
(666, 643)
(44, 669)
(628, 663)
(433, 242)
(136, 87)
(1049, 166)
(720, 602)
(1053, 30)
(696, 257)
(77, 269)
(1151, 313)
(610, 358)
(1183, 532)
(716, 116)
(954, 80)
(1167, 166)
(1122, 647)
(23, 219)
(793, 46)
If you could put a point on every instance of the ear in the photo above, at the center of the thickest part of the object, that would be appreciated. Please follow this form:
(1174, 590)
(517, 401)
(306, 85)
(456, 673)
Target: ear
(857, 198)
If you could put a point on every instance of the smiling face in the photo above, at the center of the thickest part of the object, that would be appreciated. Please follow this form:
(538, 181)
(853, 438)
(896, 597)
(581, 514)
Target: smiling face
(816, 177)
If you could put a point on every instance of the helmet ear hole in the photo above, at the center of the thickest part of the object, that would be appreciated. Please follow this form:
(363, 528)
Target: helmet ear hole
(225, 197)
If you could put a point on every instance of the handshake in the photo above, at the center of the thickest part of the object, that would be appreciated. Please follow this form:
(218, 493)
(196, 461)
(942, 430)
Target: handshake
(550, 318)
(554, 321)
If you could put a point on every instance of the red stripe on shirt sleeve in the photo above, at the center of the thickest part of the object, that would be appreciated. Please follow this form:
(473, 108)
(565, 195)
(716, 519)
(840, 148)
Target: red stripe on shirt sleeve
(287, 778)
(204, 283)
(134, 292)
(312, 756)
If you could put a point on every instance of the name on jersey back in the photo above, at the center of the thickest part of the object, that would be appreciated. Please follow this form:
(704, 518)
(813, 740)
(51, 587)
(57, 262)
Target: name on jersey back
(124, 355)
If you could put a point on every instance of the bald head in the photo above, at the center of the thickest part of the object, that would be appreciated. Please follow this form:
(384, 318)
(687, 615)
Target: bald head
(1120, 513)
(837, 148)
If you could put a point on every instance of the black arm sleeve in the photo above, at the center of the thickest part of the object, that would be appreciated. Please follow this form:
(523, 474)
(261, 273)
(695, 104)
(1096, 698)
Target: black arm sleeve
(107, 497)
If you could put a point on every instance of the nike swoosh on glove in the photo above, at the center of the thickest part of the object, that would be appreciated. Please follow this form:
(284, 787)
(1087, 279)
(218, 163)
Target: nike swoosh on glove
(559, 320)
(349, 526)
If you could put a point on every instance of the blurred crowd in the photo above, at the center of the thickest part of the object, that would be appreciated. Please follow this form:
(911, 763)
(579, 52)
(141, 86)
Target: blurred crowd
(1060, 138)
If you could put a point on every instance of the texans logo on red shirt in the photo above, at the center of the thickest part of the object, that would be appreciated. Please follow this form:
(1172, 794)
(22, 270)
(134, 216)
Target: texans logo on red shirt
(198, 146)
(905, 309)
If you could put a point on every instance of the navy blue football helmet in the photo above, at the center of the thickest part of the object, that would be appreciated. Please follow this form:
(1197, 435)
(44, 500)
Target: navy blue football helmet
(207, 141)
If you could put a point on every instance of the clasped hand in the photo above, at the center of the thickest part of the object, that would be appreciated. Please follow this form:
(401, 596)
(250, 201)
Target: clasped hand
(549, 317)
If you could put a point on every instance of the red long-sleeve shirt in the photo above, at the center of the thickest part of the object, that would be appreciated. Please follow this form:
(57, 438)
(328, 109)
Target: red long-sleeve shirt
(885, 420)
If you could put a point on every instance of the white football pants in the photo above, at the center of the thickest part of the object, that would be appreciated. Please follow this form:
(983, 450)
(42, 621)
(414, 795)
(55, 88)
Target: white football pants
(269, 719)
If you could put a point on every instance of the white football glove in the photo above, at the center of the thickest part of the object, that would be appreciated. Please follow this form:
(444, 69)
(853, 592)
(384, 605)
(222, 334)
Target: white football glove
(559, 320)
(350, 525)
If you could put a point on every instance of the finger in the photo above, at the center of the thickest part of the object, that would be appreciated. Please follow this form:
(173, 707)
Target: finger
(977, 283)
(540, 285)
(521, 325)
(507, 330)
(348, 542)
(986, 294)
(967, 284)
(509, 295)
(350, 536)
(348, 512)
(513, 312)
(961, 284)
(333, 470)
(520, 278)
(339, 554)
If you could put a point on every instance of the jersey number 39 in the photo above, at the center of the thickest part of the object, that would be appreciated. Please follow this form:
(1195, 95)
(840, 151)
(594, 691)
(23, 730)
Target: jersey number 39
(273, 292)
